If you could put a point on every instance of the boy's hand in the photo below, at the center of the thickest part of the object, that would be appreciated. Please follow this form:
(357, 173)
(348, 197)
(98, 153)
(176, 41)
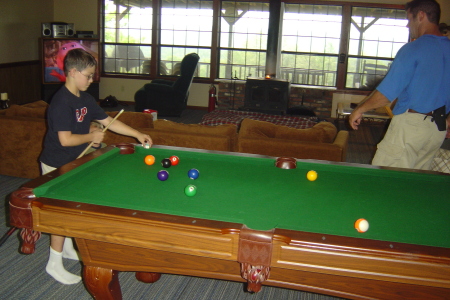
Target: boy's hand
(144, 139)
(95, 128)
(97, 136)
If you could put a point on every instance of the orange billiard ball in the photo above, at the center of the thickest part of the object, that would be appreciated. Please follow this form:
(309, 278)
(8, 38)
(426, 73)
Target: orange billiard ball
(149, 160)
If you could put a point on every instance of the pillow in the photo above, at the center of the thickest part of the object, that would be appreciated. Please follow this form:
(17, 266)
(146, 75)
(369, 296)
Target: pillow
(226, 129)
(23, 111)
(255, 129)
(323, 132)
(134, 119)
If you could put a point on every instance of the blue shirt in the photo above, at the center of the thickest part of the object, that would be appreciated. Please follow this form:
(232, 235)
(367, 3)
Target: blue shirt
(420, 76)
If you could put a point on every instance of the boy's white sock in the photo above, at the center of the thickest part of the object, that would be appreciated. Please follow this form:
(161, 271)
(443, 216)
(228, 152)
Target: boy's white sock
(55, 268)
(68, 250)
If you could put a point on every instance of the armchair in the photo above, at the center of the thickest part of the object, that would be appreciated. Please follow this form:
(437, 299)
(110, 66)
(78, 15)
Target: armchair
(167, 97)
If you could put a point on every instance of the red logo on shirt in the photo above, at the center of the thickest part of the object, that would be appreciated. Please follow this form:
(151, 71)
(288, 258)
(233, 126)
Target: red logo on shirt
(80, 116)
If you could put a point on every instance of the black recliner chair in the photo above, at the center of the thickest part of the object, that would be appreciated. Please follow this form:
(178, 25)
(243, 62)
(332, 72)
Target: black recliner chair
(169, 98)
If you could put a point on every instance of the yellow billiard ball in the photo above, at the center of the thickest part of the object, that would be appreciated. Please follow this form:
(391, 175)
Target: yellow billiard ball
(311, 175)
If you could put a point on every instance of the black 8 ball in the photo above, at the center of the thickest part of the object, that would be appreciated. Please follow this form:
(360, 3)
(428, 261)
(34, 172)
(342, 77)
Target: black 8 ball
(166, 163)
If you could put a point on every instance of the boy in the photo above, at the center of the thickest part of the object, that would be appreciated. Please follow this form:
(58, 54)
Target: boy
(69, 118)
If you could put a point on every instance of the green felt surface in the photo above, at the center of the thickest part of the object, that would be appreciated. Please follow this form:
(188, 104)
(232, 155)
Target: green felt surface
(400, 206)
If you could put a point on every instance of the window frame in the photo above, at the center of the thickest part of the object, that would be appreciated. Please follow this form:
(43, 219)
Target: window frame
(341, 72)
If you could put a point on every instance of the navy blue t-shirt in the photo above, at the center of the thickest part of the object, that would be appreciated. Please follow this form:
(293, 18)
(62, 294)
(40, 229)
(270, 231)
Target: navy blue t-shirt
(68, 112)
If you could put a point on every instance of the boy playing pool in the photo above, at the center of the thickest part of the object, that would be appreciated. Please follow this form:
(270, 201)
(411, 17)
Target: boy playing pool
(69, 119)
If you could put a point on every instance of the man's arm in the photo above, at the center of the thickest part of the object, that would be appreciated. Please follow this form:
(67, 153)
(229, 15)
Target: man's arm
(373, 101)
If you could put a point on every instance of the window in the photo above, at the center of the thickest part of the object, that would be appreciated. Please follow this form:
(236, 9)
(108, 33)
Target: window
(310, 44)
(243, 39)
(376, 35)
(127, 36)
(186, 27)
(330, 45)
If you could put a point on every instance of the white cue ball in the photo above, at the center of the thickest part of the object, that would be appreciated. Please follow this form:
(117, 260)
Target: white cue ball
(362, 225)
(146, 146)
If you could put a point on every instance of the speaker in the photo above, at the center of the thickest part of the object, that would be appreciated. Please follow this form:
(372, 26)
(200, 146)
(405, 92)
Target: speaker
(47, 29)
(70, 30)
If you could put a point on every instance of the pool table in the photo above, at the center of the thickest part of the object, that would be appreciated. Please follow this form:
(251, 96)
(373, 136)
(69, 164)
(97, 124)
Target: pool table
(253, 219)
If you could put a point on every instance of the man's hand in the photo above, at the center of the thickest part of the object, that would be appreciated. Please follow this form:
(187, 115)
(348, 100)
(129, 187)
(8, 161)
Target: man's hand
(373, 101)
(355, 119)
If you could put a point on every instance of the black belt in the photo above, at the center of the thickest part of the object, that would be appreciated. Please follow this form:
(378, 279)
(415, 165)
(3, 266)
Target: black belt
(416, 112)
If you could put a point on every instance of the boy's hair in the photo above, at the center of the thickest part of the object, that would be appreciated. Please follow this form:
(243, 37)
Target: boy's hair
(79, 59)
(430, 7)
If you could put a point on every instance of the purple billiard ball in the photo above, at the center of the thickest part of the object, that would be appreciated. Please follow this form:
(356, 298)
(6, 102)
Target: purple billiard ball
(193, 173)
(163, 175)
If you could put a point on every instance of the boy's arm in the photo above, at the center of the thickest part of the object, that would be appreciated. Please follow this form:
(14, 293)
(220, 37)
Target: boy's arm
(124, 129)
(68, 139)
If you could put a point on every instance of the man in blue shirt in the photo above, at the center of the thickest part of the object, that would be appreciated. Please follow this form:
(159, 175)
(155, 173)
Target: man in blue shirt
(419, 79)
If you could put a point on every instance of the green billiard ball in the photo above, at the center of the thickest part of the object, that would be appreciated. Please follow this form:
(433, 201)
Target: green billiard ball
(190, 190)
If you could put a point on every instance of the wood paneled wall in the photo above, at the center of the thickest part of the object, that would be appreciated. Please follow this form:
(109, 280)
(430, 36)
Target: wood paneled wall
(22, 81)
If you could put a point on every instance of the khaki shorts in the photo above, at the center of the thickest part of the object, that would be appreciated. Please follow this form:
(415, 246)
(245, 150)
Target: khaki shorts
(411, 141)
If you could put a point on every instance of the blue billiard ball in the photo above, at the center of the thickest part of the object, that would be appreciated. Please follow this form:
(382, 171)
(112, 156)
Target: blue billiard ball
(163, 175)
(193, 173)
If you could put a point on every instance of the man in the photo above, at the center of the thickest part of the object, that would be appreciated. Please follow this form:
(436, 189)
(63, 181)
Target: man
(419, 78)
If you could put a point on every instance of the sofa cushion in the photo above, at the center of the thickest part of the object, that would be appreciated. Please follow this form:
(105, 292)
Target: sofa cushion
(323, 132)
(39, 103)
(134, 119)
(24, 111)
(225, 130)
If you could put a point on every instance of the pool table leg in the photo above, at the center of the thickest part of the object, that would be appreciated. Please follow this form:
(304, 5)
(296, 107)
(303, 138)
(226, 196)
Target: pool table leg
(102, 283)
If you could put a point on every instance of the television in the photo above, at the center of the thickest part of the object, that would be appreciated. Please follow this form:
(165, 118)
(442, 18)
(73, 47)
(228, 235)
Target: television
(54, 51)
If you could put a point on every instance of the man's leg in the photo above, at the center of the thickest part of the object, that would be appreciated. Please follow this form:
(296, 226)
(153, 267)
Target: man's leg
(409, 137)
(427, 153)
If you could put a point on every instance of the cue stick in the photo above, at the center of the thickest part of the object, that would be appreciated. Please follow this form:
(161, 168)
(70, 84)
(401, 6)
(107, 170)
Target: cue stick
(104, 129)
(7, 235)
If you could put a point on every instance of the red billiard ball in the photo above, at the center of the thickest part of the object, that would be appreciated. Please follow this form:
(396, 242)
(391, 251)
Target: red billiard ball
(174, 160)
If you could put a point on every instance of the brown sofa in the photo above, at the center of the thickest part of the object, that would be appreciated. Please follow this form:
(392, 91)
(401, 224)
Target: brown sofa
(23, 129)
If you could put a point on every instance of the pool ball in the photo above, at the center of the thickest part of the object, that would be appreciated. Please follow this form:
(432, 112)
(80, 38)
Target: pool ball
(190, 190)
(166, 163)
(311, 175)
(149, 160)
(163, 175)
(361, 225)
(146, 146)
(174, 160)
(193, 173)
